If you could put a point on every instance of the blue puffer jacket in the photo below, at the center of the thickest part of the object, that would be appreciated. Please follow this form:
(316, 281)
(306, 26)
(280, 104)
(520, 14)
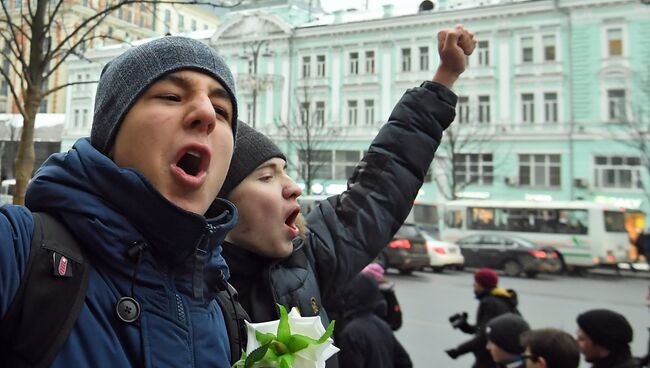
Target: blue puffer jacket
(109, 208)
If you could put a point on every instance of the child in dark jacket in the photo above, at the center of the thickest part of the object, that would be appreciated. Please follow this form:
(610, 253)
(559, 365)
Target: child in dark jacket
(366, 339)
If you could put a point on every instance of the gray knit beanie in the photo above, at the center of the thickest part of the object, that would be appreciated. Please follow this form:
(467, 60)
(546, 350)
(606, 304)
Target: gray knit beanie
(128, 76)
(505, 331)
(252, 149)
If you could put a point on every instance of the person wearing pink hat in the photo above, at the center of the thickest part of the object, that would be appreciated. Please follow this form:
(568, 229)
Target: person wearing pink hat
(493, 301)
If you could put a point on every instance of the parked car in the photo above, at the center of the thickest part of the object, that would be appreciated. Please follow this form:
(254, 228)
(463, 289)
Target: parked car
(407, 251)
(443, 254)
(513, 255)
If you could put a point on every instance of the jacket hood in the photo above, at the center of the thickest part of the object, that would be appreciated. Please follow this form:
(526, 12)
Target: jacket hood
(508, 295)
(362, 295)
(117, 206)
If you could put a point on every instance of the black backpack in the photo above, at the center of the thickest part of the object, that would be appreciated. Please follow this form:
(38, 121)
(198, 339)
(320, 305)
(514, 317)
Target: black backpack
(52, 293)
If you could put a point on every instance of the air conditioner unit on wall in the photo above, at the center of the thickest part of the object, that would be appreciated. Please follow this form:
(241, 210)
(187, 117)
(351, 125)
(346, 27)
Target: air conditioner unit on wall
(580, 183)
(511, 180)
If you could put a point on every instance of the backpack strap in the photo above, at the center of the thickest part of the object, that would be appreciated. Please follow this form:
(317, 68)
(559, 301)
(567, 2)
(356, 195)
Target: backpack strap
(49, 299)
(234, 315)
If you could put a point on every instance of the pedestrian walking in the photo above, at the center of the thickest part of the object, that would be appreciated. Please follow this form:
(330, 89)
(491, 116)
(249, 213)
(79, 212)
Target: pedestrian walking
(493, 301)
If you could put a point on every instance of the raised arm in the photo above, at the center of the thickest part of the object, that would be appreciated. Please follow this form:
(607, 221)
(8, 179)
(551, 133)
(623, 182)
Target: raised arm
(349, 230)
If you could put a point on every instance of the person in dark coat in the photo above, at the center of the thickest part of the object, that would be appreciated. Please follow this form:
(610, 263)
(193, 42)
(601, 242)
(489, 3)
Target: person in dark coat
(493, 301)
(367, 341)
(604, 338)
(134, 197)
(274, 259)
(503, 334)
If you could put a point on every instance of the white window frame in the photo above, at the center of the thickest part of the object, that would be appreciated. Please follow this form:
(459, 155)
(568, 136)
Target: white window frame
(480, 109)
(483, 53)
(321, 65)
(424, 57)
(527, 107)
(555, 47)
(406, 58)
(547, 165)
(554, 107)
(369, 111)
(353, 63)
(320, 113)
(635, 171)
(605, 40)
(608, 102)
(353, 112)
(468, 169)
(306, 66)
(463, 110)
(371, 68)
(521, 49)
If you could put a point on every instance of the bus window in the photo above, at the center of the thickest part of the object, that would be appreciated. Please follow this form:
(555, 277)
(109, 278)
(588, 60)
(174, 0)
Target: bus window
(480, 218)
(454, 219)
(614, 222)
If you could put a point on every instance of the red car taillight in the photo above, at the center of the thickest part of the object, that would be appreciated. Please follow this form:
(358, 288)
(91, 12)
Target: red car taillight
(537, 253)
(439, 250)
(401, 243)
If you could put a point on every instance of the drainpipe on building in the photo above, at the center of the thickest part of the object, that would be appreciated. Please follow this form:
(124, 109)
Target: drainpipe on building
(567, 13)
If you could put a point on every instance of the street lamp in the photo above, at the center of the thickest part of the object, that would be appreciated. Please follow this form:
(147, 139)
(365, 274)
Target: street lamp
(253, 80)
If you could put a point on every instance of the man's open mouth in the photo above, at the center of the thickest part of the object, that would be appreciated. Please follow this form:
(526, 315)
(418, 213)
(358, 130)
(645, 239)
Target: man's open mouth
(190, 162)
(291, 220)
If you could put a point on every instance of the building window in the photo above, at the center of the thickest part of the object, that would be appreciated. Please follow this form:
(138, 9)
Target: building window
(550, 107)
(526, 49)
(84, 118)
(527, 108)
(168, 20)
(483, 109)
(354, 63)
(548, 42)
(344, 163)
(306, 66)
(483, 53)
(251, 65)
(181, 22)
(424, 58)
(42, 108)
(193, 25)
(474, 168)
(615, 42)
(616, 105)
(320, 65)
(369, 106)
(318, 162)
(76, 118)
(539, 170)
(370, 62)
(463, 109)
(406, 60)
(304, 113)
(352, 112)
(617, 172)
(320, 113)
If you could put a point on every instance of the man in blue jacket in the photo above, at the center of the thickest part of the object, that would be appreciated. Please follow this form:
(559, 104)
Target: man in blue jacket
(134, 196)
(274, 260)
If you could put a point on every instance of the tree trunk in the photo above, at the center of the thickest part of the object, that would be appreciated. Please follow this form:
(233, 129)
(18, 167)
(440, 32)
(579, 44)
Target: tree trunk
(24, 165)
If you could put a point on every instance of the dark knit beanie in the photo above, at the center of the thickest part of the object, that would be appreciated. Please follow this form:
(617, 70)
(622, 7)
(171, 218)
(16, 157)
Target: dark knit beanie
(505, 330)
(487, 278)
(252, 149)
(128, 76)
(606, 328)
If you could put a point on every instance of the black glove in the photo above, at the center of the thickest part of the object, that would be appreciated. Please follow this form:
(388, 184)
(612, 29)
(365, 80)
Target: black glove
(453, 353)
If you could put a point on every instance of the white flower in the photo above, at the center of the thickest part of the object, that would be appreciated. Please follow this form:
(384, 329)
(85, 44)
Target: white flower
(313, 356)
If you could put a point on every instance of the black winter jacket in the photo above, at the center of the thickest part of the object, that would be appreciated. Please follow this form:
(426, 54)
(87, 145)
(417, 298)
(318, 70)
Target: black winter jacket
(366, 340)
(347, 231)
(617, 359)
(492, 303)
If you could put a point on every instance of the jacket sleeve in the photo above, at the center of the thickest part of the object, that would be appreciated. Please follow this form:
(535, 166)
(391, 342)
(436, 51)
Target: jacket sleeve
(16, 228)
(477, 342)
(350, 229)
